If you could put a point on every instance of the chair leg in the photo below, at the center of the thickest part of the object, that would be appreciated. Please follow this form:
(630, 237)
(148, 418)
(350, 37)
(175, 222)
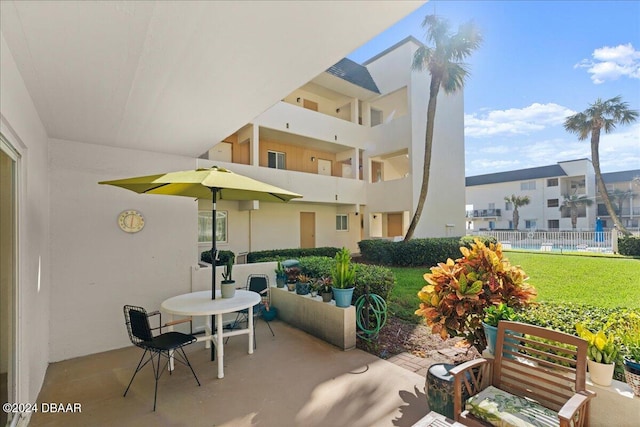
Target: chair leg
(269, 325)
(186, 359)
(156, 374)
(136, 372)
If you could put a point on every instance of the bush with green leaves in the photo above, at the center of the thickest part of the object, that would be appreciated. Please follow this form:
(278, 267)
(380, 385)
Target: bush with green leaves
(415, 252)
(223, 257)
(381, 280)
(629, 246)
(296, 253)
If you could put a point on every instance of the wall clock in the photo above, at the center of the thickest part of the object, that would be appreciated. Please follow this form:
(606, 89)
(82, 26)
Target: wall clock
(131, 221)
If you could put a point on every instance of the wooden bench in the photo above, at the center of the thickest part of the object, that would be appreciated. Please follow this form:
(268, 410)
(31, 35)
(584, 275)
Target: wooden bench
(531, 364)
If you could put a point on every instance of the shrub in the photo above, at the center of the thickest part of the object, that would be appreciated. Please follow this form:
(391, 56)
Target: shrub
(629, 246)
(457, 293)
(223, 257)
(380, 279)
(468, 240)
(415, 252)
(620, 322)
(280, 254)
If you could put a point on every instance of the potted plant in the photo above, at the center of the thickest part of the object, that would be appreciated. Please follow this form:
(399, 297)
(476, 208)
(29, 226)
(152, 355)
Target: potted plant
(292, 277)
(303, 287)
(601, 354)
(324, 289)
(343, 277)
(492, 315)
(228, 285)
(281, 276)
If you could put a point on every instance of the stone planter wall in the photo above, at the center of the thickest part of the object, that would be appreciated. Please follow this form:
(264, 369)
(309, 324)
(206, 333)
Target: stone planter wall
(324, 320)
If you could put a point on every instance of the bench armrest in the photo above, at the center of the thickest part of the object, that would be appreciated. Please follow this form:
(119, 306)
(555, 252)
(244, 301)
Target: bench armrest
(576, 407)
(469, 378)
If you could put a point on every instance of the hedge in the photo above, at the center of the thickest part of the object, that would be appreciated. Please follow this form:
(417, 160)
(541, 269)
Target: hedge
(416, 252)
(629, 246)
(296, 253)
(223, 256)
(380, 279)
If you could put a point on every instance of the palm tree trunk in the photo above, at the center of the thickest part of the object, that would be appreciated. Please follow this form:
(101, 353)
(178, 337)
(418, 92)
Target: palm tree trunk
(595, 160)
(428, 148)
(516, 217)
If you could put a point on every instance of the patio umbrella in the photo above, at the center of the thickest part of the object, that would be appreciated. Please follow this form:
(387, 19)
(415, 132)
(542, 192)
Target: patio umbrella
(214, 183)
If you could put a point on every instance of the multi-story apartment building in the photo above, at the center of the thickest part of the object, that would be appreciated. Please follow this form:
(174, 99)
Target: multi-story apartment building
(547, 188)
(351, 141)
(624, 191)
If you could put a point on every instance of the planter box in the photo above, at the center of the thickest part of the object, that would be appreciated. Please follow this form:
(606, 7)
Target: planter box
(324, 320)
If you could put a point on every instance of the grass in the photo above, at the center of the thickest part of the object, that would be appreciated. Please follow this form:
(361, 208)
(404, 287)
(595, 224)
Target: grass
(599, 281)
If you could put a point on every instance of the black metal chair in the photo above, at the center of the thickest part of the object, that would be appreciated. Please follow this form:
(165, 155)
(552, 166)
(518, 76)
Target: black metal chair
(168, 344)
(258, 283)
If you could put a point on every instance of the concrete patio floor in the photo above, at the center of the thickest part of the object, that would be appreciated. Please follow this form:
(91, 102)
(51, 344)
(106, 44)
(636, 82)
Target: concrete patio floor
(292, 379)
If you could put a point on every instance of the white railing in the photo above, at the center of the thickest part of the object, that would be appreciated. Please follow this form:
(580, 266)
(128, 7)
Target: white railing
(576, 241)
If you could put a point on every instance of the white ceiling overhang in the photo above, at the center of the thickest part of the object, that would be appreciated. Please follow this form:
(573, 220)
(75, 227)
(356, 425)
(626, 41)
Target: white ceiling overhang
(177, 76)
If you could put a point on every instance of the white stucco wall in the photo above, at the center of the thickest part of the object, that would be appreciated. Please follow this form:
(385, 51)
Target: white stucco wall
(96, 267)
(23, 128)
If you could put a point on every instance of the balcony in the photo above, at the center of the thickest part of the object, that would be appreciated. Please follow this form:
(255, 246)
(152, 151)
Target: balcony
(484, 213)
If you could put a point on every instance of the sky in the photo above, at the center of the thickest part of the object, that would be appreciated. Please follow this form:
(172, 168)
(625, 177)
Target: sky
(540, 62)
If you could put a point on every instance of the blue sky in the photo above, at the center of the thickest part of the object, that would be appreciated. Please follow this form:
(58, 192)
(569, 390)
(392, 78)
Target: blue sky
(540, 62)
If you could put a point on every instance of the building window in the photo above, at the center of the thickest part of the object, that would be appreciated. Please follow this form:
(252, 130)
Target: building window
(553, 203)
(276, 160)
(204, 226)
(553, 224)
(508, 206)
(528, 185)
(577, 185)
(342, 222)
(552, 182)
(530, 224)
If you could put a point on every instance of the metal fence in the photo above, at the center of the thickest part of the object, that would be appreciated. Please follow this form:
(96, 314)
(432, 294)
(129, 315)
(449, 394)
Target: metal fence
(547, 241)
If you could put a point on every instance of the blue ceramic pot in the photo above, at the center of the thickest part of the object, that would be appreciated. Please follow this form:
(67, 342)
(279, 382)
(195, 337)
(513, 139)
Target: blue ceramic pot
(302, 288)
(343, 297)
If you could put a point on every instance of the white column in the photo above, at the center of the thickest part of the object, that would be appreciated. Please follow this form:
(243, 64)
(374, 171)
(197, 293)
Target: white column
(255, 146)
(354, 110)
(355, 164)
(366, 114)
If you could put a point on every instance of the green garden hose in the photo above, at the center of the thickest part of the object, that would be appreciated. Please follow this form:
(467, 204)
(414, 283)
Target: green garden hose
(371, 315)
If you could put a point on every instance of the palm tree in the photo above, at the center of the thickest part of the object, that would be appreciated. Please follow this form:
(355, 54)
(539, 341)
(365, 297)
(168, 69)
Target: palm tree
(601, 115)
(574, 202)
(447, 72)
(517, 202)
(618, 197)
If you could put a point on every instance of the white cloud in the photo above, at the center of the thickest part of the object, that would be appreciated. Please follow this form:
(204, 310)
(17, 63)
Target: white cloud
(611, 63)
(619, 150)
(514, 121)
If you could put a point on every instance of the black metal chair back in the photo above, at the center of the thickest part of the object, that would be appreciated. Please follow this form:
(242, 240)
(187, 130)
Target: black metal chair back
(168, 345)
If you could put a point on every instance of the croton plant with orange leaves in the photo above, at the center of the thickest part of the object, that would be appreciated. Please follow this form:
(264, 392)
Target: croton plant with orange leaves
(457, 292)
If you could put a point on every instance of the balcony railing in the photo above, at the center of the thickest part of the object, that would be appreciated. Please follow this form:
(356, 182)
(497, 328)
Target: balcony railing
(484, 213)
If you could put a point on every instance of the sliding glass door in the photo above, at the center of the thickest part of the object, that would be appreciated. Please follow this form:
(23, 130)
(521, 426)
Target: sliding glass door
(8, 275)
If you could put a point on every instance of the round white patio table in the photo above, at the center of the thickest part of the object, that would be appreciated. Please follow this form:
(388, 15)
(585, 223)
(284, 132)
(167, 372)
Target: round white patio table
(201, 304)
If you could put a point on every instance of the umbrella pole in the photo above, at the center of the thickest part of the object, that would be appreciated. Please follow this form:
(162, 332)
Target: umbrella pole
(213, 271)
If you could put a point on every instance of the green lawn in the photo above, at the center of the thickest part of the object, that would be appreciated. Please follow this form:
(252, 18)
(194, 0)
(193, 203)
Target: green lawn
(598, 281)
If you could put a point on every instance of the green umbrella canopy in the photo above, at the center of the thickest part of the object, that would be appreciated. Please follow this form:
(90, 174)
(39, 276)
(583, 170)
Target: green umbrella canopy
(214, 183)
(200, 182)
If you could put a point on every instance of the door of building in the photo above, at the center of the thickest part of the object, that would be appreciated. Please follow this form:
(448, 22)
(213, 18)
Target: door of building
(8, 276)
(394, 224)
(307, 229)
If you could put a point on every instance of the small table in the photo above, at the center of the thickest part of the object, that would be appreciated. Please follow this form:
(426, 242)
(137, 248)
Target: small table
(201, 304)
